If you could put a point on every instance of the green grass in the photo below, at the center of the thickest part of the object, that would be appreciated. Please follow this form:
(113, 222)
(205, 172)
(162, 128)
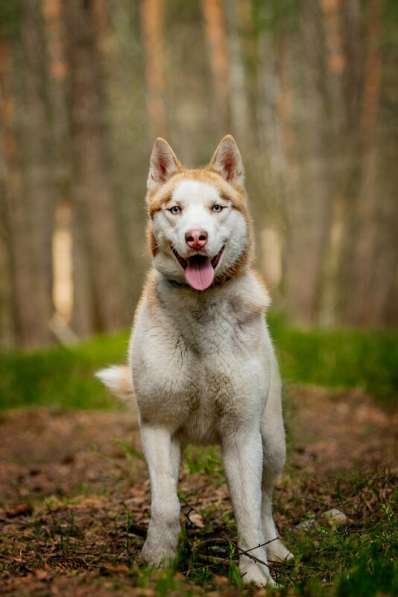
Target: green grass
(63, 377)
(359, 559)
(343, 358)
(345, 564)
(60, 377)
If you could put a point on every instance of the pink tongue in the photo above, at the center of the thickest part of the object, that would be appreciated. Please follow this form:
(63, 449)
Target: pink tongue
(199, 274)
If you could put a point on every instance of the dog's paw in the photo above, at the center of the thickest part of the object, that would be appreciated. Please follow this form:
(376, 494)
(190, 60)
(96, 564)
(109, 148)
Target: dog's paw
(157, 555)
(277, 552)
(254, 574)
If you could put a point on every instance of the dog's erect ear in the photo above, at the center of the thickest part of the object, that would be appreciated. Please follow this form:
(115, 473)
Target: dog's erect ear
(227, 161)
(163, 164)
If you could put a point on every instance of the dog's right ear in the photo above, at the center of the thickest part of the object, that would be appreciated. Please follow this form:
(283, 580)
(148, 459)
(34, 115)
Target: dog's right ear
(163, 164)
(227, 161)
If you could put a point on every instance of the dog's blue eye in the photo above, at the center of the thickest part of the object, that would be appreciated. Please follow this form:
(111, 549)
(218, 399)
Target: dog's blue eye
(175, 210)
(217, 208)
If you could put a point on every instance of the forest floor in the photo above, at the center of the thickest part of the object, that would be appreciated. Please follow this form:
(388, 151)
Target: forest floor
(75, 502)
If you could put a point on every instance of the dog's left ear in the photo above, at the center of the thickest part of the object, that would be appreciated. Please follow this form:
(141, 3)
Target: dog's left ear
(163, 164)
(227, 161)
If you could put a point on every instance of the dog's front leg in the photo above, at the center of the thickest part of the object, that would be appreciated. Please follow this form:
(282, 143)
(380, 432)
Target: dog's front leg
(162, 453)
(243, 461)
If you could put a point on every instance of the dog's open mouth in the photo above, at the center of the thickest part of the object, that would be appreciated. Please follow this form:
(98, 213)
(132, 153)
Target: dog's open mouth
(199, 269)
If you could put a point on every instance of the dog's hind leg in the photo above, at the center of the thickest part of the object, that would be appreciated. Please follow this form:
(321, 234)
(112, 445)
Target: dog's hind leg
(274, 453)
(162, 453)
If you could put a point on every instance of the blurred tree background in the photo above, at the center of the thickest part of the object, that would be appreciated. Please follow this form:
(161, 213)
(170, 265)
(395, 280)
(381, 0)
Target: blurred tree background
(309, 88)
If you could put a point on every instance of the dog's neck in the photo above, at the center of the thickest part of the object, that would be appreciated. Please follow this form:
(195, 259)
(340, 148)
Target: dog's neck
(244, 293)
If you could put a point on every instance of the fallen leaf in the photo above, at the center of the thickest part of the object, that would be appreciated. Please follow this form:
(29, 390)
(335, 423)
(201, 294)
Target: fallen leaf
(197, 520)
(19, 510)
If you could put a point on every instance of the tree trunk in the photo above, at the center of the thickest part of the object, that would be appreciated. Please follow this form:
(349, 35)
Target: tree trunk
(38, 151)
(100, 285)
(362, 293)
(57, 73)
(339, 159)
(7, 331)
(240, 111)
(274, 171)
(29, 196)
(55, 60)
(214, 20)
(309, 205)
(124, 83)
(152, 25)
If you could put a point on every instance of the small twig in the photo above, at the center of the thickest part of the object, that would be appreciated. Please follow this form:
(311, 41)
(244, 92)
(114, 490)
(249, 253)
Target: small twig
(252, 557)
(212, 541)
(246, 552)
(215, 559)
(190, 524)
(260, 545)
(243, 552)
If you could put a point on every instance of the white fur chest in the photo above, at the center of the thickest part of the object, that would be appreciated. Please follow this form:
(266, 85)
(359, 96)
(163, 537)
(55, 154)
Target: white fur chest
(200, 360)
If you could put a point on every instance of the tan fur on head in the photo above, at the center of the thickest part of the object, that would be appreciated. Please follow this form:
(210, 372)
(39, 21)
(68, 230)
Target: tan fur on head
(227, 162)
(224, 172)
(151, 240)
(162, 165)
(158, 197)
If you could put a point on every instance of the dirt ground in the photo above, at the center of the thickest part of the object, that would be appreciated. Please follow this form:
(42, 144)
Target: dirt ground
(75, 496)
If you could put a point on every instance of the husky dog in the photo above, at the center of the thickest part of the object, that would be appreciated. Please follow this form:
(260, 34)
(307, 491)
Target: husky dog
(201, 363)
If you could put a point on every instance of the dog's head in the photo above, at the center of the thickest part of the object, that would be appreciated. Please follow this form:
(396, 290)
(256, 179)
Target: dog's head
(199, 229)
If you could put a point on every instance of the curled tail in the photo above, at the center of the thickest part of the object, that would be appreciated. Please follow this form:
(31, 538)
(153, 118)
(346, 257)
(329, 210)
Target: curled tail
(118, 380)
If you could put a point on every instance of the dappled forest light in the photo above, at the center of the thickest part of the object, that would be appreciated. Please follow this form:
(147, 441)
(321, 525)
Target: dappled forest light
(309, 89)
